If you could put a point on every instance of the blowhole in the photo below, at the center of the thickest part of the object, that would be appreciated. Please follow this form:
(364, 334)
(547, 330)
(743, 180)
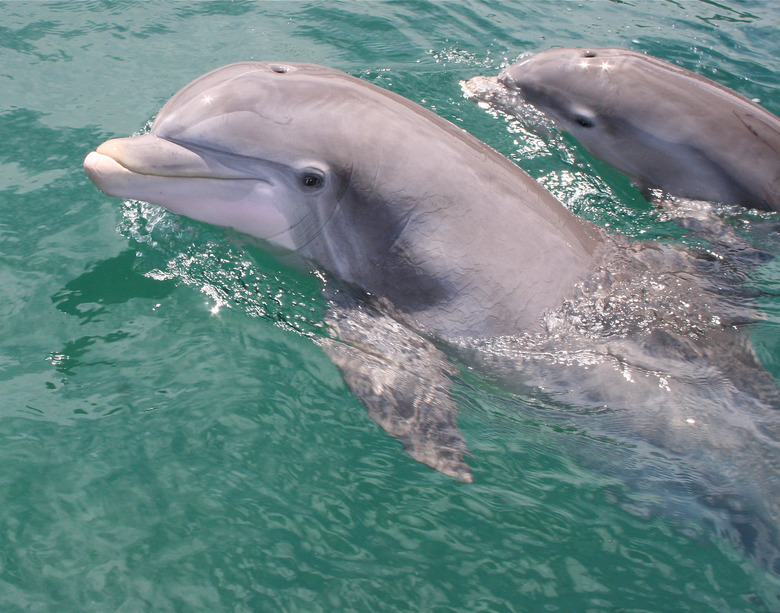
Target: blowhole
(589, 53)
(279, 68)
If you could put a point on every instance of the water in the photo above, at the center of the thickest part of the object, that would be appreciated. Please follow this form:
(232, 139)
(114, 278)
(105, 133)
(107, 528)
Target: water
(171, 440)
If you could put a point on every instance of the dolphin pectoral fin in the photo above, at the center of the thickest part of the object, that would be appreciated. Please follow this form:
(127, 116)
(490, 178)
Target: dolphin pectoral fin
(403, 381)
(408, 405)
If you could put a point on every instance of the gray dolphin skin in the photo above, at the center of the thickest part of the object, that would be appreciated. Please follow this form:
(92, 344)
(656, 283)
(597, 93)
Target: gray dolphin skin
(440, 254)
(664, 126)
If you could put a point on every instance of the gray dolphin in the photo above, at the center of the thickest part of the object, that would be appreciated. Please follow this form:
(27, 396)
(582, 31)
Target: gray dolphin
(437, 247)
(318, 162)
(664, 126)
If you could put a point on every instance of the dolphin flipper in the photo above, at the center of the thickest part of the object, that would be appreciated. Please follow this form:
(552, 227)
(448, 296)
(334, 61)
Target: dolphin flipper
(401, 378)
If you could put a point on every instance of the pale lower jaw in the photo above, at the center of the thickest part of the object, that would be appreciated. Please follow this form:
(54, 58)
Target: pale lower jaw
(246, 205)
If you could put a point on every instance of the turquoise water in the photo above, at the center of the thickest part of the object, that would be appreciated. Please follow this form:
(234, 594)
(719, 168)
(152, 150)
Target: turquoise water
(171, 440)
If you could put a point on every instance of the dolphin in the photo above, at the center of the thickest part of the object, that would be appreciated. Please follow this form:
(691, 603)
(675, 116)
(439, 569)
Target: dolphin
(666, 127)
(439, 253)
(312, 160)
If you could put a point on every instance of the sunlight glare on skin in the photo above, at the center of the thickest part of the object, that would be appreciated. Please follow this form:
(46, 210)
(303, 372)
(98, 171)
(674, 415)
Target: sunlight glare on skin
(207, 99)
(585, 65)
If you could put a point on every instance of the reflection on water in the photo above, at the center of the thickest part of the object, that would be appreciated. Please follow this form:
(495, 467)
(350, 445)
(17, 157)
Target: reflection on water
(168, 446)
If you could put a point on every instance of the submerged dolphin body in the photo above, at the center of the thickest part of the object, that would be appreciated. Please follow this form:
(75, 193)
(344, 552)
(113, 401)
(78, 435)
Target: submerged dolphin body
(664, 126)
(440, 247)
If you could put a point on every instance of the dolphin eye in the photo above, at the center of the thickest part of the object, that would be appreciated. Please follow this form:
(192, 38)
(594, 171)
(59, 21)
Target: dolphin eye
(585, 122)
(311, 180)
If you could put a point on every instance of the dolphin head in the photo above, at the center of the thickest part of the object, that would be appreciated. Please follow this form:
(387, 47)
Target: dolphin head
(237, 147)
(302, 156)
(570, 85)
(607, 100)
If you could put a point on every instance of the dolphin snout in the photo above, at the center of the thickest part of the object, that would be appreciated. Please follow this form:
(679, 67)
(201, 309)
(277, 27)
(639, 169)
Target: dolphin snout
(150, 155)
(480, 88)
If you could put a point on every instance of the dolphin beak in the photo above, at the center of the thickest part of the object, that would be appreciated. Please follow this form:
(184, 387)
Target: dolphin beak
(117, 163)
(120, 163)
(145, 155)
(202, 183)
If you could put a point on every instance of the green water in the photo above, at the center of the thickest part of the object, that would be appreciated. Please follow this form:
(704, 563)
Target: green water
(170, 441)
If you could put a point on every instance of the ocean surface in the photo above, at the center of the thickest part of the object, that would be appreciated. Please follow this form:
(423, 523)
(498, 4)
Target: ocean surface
(170, 437)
